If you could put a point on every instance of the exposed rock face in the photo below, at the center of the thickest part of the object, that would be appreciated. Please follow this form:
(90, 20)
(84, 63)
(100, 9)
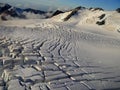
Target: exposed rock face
(102, 16)
(4, 7)
(101, 22)
(74, 11)
(57, 12)
(101, 9)
(118, 10)
(13, 12)
(34, 11)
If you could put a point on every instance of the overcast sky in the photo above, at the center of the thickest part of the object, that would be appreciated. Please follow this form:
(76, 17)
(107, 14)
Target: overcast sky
(52, 4)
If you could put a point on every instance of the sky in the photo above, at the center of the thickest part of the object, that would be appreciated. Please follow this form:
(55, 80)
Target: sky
(64, 4)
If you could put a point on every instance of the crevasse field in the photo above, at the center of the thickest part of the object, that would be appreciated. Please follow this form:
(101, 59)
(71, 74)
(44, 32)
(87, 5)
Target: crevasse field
(53, 54)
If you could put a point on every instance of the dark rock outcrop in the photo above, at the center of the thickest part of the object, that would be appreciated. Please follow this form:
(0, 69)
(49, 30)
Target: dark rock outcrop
(100, 9)
(118, 10)
(74, 11)
(13, 12)
(101, 22)
(102, 16)
(4, 7)
(8, 10)
(57, 12)
(34, 11)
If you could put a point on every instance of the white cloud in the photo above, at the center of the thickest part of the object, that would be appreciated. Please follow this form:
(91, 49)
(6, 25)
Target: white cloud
(30, 15)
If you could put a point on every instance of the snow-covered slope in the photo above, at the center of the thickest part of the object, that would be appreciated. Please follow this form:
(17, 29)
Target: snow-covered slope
(106, 19)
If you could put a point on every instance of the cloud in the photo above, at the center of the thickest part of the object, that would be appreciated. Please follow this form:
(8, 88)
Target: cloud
(18, 5)
(30, 15)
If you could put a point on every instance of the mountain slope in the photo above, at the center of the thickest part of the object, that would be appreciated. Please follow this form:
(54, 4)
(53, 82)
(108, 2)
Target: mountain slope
(9, 12)
(105, 19)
